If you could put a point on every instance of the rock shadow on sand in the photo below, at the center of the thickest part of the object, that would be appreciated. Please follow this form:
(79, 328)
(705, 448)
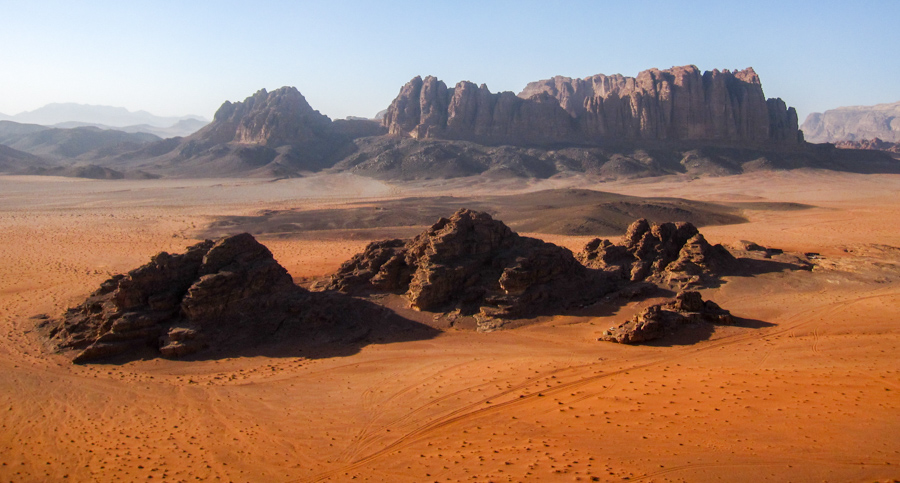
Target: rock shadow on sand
(702, 331)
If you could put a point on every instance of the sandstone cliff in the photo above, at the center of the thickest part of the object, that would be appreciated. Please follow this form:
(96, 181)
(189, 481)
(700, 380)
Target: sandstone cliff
(854, 123)
(677, 104)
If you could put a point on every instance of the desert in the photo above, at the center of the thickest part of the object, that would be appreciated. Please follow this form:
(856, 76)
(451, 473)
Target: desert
(802, 388)
(443, 242)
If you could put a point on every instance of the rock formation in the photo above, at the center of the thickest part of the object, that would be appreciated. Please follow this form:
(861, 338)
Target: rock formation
(870, 144)
(661, 319)
(677, 104)
(268, 118)
(215, 295)
(475, 264)
(854, 123)
(427, 109)
(670, 253)
(269, 133)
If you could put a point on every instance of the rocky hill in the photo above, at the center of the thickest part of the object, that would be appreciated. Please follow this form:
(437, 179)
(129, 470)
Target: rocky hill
(677, 104)
(13, 161)
(268, 134)
(854, 123)
(398, 158)
(475, 265)
(58, 144)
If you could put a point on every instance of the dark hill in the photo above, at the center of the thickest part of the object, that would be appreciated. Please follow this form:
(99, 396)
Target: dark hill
(13, 161)
(563, 211)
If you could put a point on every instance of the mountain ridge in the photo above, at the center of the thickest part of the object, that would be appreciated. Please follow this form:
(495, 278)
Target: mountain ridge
(676, 104)
(60, 112)
(854, 123)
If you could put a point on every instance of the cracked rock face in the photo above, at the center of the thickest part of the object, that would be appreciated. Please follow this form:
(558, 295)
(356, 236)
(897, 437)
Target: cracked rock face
(662, 319)
(475, 264)
(181, 304)
(670, 254)
(677, 104)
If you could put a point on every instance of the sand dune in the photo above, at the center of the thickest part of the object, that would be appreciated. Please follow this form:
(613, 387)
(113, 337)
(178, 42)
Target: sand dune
(804, 389)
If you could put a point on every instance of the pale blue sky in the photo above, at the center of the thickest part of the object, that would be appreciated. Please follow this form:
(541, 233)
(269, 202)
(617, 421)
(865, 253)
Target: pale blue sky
(352, 57)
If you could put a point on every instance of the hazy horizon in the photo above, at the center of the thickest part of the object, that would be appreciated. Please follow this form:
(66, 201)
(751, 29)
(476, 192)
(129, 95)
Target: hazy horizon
(351, 58)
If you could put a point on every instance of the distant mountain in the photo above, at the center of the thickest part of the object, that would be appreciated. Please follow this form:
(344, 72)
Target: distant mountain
(57, 113)
(182, 128)
(677, 121)
(68, 144)
(854, 123)
(10, 131)
(267, 134)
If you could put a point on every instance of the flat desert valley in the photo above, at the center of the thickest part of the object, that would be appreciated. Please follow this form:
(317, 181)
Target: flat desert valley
(805, 388)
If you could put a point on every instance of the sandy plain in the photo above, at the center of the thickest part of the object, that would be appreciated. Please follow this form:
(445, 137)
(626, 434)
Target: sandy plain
(807, 390)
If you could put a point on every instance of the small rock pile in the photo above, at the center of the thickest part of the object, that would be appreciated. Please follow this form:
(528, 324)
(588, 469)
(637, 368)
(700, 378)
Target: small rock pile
(661, 319)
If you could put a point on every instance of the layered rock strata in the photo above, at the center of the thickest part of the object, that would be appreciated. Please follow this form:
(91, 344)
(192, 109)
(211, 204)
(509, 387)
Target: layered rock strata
(666, 318)
(477, 265)
(226, 293)
(674, 254)
(677, 104)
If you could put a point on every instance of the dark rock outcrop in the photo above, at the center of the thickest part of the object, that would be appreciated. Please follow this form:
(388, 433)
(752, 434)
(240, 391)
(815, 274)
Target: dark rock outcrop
(661, 319)
(870, 144)
(217, 295)
(670, 253)
(677, 104)
(475, 264)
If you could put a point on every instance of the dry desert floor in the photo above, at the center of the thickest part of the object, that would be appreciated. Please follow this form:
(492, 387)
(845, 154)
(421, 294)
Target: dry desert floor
(809, 390)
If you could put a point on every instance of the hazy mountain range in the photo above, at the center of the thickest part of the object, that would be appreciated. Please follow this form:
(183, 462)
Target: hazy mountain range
(67, 115)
